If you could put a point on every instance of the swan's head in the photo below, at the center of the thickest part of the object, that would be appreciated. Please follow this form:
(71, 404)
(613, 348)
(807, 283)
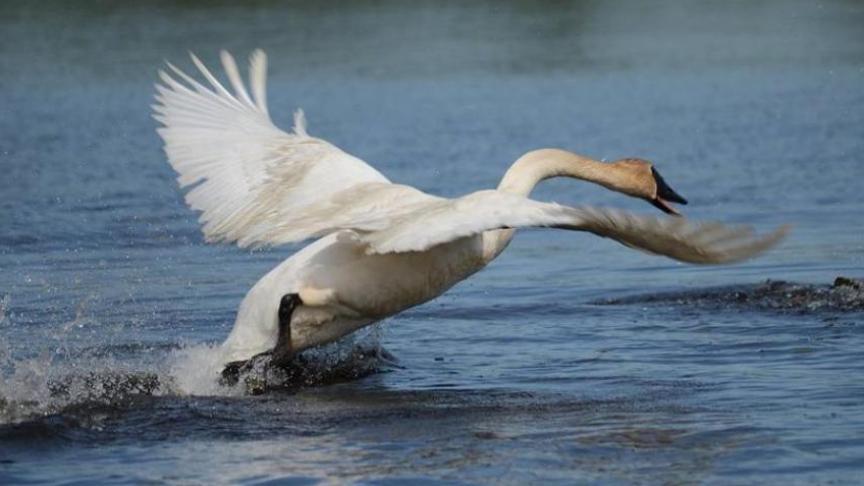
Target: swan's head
(642, 180)
(634, 177)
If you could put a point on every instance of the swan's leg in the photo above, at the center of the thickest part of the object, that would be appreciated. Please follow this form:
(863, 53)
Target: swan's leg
(284, 351)
(281, 354)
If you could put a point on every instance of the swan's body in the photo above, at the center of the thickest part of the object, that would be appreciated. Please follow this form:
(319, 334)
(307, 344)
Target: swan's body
(368, 288)
(383, 247)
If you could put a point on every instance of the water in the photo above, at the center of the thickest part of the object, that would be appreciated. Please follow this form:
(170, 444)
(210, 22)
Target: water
(524, 373)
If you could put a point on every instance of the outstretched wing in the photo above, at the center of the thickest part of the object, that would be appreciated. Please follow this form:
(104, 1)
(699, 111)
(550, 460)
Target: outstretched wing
(248, 176)
(678, 238)
(258, 185)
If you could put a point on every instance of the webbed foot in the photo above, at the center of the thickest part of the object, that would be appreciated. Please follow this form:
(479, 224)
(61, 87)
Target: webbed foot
(279, 357)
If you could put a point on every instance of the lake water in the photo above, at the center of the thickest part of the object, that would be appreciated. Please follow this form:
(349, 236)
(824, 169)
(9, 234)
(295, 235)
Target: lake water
(564, 362)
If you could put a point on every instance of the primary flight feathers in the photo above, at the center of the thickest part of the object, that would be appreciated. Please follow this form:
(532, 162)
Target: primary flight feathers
(257, 185)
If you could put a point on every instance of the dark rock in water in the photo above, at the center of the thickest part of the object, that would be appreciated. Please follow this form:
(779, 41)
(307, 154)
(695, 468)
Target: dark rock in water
(844, 295)
(848, 282)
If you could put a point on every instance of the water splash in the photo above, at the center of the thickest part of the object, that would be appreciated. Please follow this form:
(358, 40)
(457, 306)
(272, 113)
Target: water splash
(196, 369)
(57, 376)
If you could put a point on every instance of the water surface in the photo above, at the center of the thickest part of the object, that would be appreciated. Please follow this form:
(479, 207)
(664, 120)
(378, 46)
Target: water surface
(525, 372)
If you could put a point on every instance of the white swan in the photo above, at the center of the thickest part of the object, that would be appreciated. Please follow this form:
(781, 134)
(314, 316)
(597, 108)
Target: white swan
(384, 247)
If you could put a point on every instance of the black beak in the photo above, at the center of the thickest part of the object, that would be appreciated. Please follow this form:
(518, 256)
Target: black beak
(665, 195)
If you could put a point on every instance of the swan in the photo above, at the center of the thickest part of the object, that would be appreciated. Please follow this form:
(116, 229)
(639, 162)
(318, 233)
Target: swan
(382, 247)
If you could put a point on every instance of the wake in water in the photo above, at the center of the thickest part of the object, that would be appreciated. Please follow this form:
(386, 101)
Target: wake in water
(844, 295)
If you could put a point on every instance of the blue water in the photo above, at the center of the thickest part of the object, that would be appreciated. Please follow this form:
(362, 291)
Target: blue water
(754, 111)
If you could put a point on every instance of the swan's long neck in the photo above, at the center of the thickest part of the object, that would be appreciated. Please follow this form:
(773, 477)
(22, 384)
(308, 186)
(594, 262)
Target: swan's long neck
(536, 166)
(539, 165)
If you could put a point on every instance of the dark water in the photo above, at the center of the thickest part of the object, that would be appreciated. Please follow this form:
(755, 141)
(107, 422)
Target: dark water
(570, 359)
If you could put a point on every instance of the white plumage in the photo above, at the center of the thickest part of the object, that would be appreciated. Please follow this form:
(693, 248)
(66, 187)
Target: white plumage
(385, 247)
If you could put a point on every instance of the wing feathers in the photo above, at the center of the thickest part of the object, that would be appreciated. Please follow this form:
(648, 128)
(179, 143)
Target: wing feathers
(258, 185)
(678, 238)
(258, 78)
(248, 175)
(212, 79)
(234, 77)
(300, 123)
